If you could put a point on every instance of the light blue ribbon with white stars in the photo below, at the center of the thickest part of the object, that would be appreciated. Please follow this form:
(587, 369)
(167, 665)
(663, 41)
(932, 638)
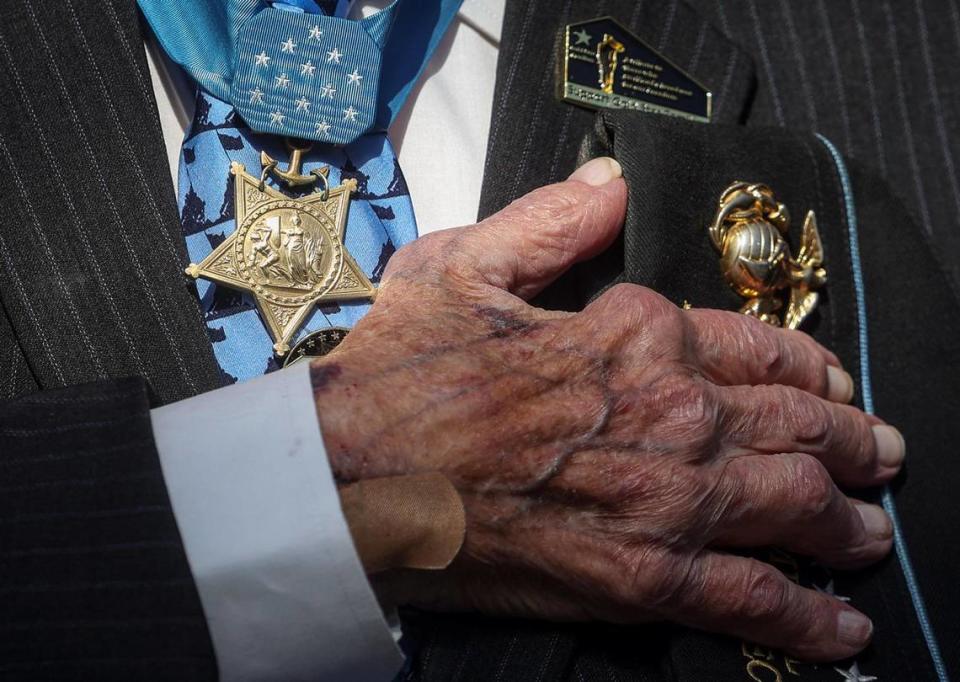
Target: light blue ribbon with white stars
(381, 217)
(299, 73)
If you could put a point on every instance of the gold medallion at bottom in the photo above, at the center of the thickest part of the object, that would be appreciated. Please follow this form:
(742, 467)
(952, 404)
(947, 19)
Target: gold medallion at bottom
(288, 253)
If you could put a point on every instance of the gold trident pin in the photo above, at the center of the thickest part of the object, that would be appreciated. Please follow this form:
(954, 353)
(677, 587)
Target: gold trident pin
(292, 175)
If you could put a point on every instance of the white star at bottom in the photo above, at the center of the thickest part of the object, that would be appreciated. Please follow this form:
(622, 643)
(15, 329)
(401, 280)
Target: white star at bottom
(323, 128)
(277, 117)
(828, 589)
(853, 674)
(350, 114)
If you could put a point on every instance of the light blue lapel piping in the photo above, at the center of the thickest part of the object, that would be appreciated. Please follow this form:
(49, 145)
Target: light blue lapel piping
(899, 539)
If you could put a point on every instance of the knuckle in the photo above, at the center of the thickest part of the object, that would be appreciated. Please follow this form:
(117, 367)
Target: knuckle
(685, 397)
(551, 207)
(683, 410)
(691, 399)
(865, 445)
(623, 295)
(809, 419)
(764, 594)
(400, 261)
(854, 443)
(786, 356)
(424, 250)
(662, 580)
(771, 357)
(634, 307)
(806, 361)
(814, 487)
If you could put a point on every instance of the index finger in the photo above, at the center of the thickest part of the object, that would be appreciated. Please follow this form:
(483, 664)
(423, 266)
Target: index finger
(733, 349)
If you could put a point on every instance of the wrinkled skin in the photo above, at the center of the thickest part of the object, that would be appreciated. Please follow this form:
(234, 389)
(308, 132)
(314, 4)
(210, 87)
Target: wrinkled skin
(607, 459)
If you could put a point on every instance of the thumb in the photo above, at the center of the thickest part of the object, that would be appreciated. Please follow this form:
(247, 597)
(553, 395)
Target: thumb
(534, 240)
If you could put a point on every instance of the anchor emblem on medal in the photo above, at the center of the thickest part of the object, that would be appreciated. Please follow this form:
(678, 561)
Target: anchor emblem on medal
(287, 251)
(749, 232)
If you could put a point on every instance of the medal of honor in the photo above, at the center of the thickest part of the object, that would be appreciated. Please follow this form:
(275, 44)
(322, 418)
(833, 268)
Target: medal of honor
(287, 252)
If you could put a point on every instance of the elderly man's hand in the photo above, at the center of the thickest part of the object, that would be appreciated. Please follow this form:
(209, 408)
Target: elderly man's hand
(607, 458)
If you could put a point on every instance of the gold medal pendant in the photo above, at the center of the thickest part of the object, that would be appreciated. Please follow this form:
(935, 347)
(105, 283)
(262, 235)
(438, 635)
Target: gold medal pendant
(288, 252)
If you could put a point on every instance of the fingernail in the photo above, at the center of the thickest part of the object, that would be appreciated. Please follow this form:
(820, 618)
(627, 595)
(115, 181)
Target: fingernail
(839, 385)
(597, 172)
(875, 521)
(891, 447)
(853, 628)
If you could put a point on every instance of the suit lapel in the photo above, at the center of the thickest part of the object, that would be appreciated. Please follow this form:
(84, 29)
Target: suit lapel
(535, 137)
(90, 242)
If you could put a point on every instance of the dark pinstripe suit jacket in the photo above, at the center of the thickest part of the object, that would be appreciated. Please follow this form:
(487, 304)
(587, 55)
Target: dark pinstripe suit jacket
(97, 323)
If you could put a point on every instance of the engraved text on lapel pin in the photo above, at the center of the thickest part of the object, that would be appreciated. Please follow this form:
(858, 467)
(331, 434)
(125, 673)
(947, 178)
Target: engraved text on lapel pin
(605, 66)
(749, 231)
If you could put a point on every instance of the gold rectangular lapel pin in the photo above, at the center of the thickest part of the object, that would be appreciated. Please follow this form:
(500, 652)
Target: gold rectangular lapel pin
(605, 66)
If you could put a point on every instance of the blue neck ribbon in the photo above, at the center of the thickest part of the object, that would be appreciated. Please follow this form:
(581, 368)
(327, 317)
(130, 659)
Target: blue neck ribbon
(291, 69)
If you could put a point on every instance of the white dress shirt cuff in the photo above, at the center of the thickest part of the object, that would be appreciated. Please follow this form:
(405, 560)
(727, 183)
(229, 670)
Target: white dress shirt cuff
(284, 593)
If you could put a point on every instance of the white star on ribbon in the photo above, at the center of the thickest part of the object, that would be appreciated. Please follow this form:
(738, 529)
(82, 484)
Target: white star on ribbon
(262, 59)
(328, 91)
(853, 674)
(334, 56)
(256, 96)
(277, 117)
(316, 33)
(288, 46)
(354, 77)
(323, 128)
(303, 104)
(350, 114)
(282, 81)
(307, 68)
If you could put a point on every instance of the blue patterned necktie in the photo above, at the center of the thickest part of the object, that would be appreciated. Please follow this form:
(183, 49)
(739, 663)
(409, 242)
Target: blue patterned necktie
(380, 221)
(380, 218)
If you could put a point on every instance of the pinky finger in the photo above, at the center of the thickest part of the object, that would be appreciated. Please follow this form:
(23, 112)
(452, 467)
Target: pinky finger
(753, 600)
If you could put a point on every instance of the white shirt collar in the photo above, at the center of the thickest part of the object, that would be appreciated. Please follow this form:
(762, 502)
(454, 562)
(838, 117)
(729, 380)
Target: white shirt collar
(486, 16)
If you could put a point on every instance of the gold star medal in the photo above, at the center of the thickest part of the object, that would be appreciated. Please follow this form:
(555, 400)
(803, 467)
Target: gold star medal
(288, 252)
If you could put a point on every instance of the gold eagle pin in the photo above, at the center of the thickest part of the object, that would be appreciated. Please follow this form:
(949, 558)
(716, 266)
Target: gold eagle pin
(287, 252)
(749, 231)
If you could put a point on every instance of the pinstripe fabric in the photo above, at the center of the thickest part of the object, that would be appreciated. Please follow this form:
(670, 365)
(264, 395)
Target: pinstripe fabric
(93, 578)
(92, 261)
(545, 148)
(15, 376)
(882, 76)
